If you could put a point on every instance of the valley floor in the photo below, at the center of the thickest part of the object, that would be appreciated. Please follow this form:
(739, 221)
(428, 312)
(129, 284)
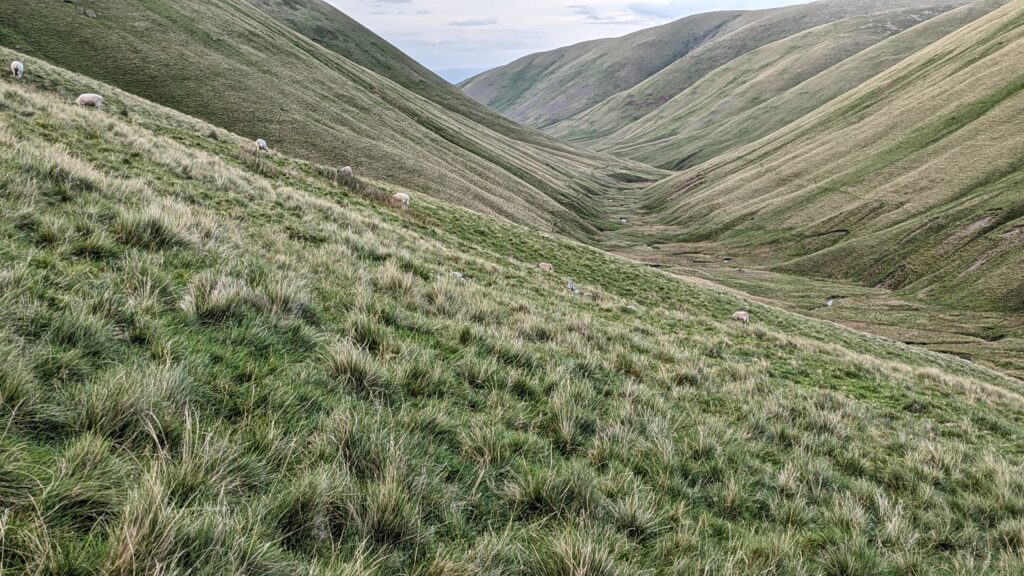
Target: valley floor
(991, 339)
(987, 338)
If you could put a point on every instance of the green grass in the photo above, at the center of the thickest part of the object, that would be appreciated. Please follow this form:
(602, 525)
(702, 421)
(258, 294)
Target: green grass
(215, 364)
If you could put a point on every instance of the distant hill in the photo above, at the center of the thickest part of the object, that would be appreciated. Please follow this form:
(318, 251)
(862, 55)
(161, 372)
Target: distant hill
(543, 89)
(598, 87)
(457, 75)
(765, 90)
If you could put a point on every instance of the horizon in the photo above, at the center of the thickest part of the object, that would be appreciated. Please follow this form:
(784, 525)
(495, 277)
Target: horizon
(451, 37)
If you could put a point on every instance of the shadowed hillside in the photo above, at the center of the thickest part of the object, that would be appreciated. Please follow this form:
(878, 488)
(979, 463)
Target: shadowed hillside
(228, 63)
(213, 363)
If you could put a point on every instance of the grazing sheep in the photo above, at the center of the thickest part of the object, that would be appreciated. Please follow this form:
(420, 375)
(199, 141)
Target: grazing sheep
(17, 69)
(742, 316)
(261, 145)
(90, 100)
(571, 287)
(347, 171)
(830, 302)
(400, 200)
(623, 221)
(545, 267)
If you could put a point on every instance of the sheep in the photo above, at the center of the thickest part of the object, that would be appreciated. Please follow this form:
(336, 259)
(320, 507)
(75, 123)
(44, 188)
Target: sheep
(17, 69)
(90, 100)
(830, 302)
(261, 145)
(400, 200)
(623, 221)
(347, 171)
(571, 287)
(742, 316)
(546, 267)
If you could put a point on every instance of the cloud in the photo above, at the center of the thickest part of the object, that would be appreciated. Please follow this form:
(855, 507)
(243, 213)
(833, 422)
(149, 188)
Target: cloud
(446, 34)
(616, 16)
(474, 22)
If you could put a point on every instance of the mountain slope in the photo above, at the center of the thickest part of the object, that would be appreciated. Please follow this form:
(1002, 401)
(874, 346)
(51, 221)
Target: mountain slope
(211, 364)
(545, 88)
(231, 64)
(334, 30)
(773, 86)
(722, 37)
(912, 181)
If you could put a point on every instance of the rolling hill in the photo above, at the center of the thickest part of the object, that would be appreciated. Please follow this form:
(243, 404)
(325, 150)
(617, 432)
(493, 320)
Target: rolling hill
(546, 88)
(765, 90)
(242, 69)
(212, 363)
(609, 84)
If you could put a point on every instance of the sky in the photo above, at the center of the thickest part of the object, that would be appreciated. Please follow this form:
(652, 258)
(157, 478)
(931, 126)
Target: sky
(483, 34)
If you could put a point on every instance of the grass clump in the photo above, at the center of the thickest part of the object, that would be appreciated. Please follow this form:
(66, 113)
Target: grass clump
(156, 227)
(358, 371)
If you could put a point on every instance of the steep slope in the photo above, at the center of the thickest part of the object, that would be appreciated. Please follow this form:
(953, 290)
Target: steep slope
(912, 181)
(773, 86)
(631, 105)
(546, 88)
(231, 64)
(334, 30)
(216, 365)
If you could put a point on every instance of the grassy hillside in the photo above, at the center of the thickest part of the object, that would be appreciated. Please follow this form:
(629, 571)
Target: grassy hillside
(763, 91)
(211, 364)
(248, 73)
(607, 85)
(911, 182)
(548, 87)
(334, 30)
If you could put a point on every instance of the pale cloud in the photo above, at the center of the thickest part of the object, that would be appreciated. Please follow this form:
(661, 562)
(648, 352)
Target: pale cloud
(448, 34)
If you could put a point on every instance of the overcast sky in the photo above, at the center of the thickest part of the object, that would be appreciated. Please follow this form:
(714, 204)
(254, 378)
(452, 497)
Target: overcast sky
(446, 34)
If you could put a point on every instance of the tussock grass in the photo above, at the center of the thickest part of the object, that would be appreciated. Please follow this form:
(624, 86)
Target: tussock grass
(281, 378)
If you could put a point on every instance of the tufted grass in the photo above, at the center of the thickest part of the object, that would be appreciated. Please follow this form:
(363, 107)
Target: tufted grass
(206, 369)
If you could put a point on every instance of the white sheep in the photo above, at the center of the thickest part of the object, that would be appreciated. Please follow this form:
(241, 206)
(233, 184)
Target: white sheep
(261, 145)
(546, 267)
(347, 171)
(400, 200)
(742, 316)
(17, 69)
(90, 100)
